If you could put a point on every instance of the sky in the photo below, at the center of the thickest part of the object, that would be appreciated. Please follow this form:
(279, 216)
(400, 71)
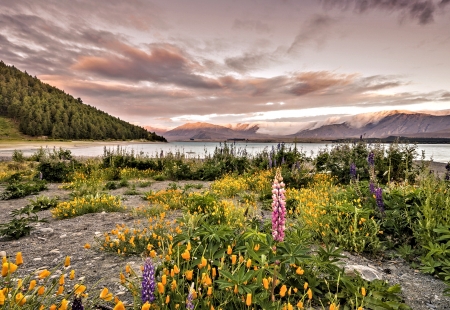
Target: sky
(277, 63)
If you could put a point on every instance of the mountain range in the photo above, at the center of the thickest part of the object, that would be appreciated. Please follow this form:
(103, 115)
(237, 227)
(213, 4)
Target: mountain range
(380, 125)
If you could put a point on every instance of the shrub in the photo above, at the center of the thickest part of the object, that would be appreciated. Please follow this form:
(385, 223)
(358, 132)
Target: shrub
(88, 204)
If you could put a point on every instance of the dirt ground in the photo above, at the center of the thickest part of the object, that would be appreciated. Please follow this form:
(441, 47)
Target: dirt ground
(49, 243)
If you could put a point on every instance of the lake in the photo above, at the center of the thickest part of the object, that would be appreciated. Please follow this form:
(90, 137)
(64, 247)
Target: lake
(437, 152)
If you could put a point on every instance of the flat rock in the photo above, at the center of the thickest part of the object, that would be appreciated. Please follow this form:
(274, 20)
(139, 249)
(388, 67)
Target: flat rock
(366, 272)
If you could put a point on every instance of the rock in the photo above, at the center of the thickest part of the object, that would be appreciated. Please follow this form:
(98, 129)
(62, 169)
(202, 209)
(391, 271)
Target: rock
(366, 272)
(2, 253)
(77, 234)
(63, 236)
(37, 259)
(55, 251)
(43, 231)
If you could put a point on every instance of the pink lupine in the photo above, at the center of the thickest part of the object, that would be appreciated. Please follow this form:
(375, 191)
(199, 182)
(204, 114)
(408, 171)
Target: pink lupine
(278, 208)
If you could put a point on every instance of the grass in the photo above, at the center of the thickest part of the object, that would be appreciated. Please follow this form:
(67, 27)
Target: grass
(9, 130)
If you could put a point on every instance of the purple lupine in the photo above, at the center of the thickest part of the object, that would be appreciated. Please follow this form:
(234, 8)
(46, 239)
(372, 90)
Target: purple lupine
(190, 298)
(278, 208)
(353, 171)
(77, 305)
(379, 198)
(371, 159)
(274, 161)
(270, 162)
(148, 281)
(372, 187)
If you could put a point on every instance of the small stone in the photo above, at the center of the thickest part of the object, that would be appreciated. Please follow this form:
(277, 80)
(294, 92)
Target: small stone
(98, 257)
(37, 259)
(120, 293)
(81, 278)
(97, 233)
(63, 236)
(77, 234)
(55, 251)
(366, 272)
(3, 253)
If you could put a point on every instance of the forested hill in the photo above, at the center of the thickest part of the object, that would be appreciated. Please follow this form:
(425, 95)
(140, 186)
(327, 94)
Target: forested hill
(44, 110)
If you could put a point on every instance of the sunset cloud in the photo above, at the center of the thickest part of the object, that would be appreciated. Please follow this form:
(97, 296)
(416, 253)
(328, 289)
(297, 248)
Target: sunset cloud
(161, 63)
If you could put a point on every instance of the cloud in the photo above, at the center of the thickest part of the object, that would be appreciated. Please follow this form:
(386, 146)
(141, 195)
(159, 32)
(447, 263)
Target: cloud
(314, 31)
(420, 10)
(251, 25)
(163, 63)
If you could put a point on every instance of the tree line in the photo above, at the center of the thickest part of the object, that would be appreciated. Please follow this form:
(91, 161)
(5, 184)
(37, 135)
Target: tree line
(44, 110)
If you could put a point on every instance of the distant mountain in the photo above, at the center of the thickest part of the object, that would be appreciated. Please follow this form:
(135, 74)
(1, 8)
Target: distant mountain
(206, 131)
(384, 124)
(156, 130)
(41, 110)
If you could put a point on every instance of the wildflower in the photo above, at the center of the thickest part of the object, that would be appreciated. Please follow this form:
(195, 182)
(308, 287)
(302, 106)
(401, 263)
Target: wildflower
(176, 270)
(256, 248)
(72, 275)
(41, 290)
(299, 271)
(283, 291)
(67, 261)
(61, 280)
(266, 283)
(19, 259)
(79, 289)
(353, 171)
(229, 250)
(60, 290)
(233, 259)
(77, 305)
(249, 263)
(32, 285)
(309, 292)
(209, 292)
(167, 299)
(2, 298)
(119, 306)
(186, 255)
(278, 208)
(146, 306)
(333, 306)
(248, 301)
(190, 298)
(20, 299)
(160, 288)
(363, 291)
(44, 274)
(64, 303)
(300, 304)
(8, 268)
(379, 198)
(148, 281)
(189, 274)
(106, 295)
(371, 159)
(371, 187)
(87, 246)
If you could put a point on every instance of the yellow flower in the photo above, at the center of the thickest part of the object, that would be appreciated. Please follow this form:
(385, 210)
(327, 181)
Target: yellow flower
(233, 259)
(41, 290)
(204, 262)
(305, 286)
(167, 299)
(20, 299)
(32, 285)
(127, 269)
(79, 289)
(8, 268)
(188, 247)
(64, 303)
(333, 306)
(266, 283)
(248, 301)
(176, 269)
(256, 247)
(61, 280)
(229, 250)
(236, 290)
(19, 259)
(186, 255)
(119, 306)
(363, 291)
(283, 290)
(360, 308)
(72, 275)
(164, 279)
(146, 306)
(67, 261)
(300, 305)
(173, 285)
(122, 278)
(249, 263)
(160, 288)
(60, 290)
(2, 298)
(299, 271)
(209, 292)
(53, 307)
(309, 292)
(87, 246)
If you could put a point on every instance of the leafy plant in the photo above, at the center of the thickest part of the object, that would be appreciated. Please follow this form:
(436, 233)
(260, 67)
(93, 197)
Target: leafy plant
(21, 224)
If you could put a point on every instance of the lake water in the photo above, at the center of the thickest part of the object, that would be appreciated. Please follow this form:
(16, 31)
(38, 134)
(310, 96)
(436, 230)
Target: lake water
(437, 152)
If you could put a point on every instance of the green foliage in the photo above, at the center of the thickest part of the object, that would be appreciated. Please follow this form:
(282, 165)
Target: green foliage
(20, 225)
(16, 189)
(43, 203)
(44, 110)
(18, 156)
(9, 130)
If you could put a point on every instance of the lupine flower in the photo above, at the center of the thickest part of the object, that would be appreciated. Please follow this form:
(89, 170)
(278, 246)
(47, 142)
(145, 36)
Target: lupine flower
(353, 171)
(379, 198)
(77, 305)
(371, 159)
(372, 187)
(270, 161)
(148, 281)
(190, 298)
(278, 208)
